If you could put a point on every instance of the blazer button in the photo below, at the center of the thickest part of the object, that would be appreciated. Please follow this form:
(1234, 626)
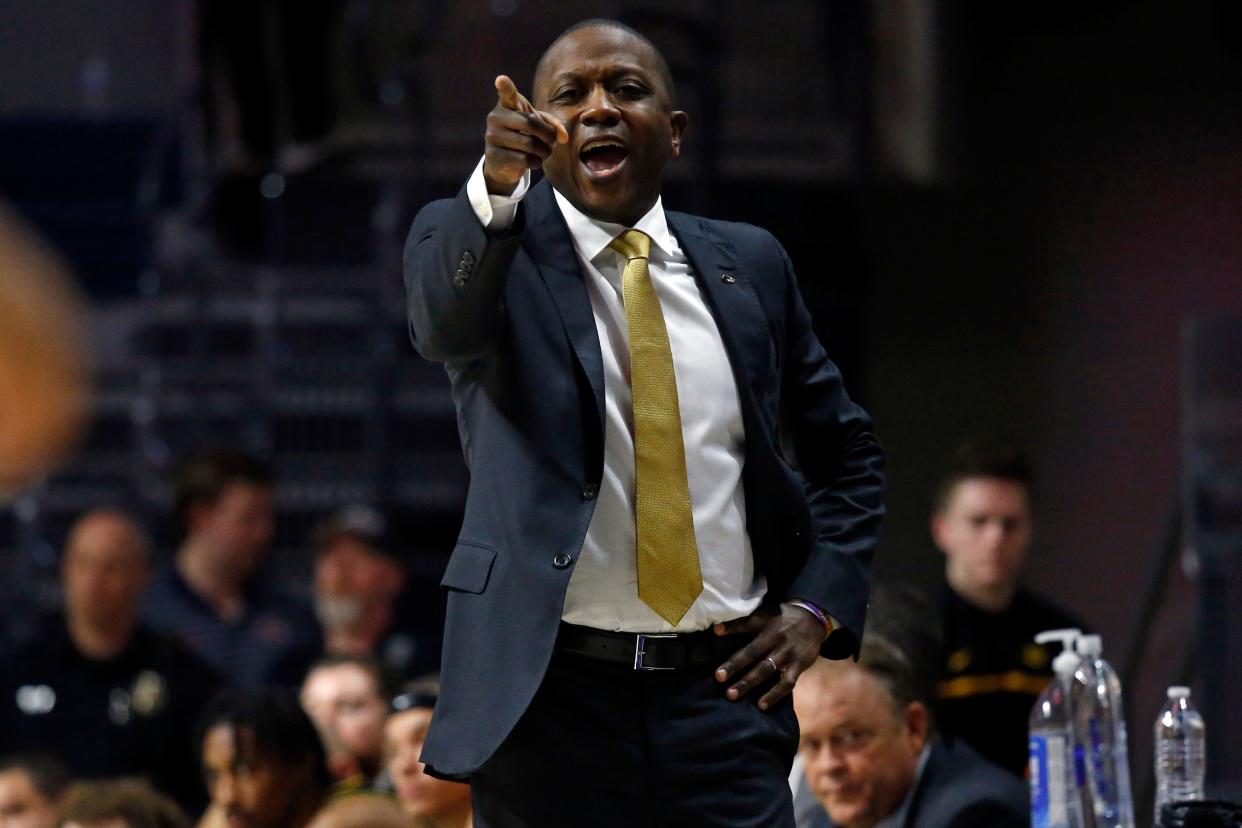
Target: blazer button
(458, 281)
(728, 278)
(562, 561)
(589, 491)
(467, 258)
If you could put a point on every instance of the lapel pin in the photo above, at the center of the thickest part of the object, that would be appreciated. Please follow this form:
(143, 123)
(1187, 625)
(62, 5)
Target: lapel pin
(728, 278)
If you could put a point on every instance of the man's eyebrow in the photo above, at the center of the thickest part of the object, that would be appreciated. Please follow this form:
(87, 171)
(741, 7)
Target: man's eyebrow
(612, 71)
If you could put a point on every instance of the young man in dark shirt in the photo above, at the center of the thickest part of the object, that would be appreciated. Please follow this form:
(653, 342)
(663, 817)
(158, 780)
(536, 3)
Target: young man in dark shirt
(993, 669)
(214, 597)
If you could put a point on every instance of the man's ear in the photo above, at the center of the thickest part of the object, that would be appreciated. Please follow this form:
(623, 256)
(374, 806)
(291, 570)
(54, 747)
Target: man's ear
(680, 122)
(936, 527)
(917, 724)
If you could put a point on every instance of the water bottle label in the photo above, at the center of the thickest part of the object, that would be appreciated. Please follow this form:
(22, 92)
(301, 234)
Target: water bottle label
(1049, 805)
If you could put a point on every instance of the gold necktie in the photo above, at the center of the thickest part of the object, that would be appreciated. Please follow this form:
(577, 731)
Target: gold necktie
(668, 559)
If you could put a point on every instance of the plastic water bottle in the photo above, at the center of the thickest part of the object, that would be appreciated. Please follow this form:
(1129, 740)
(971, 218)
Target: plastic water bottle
(1102, 726)
(1180, 741)
(1055, 800)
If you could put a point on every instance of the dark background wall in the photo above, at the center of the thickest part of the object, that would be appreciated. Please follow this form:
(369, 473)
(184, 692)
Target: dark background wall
(1071, 197)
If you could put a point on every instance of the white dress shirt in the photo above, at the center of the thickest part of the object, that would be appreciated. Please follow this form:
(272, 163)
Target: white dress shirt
(603, 589)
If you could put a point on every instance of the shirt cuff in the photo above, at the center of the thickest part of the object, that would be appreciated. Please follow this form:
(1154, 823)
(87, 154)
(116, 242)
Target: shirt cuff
(495, 213)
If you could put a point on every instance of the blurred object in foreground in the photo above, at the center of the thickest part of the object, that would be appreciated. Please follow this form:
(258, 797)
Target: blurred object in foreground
(43, 376)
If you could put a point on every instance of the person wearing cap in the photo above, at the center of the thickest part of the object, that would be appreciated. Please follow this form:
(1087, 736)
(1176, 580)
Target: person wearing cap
(361, 588)
(430, 801)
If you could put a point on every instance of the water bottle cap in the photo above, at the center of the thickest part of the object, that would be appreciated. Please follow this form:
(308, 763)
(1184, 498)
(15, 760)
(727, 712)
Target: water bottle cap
(1091, 645)
(1179, 692)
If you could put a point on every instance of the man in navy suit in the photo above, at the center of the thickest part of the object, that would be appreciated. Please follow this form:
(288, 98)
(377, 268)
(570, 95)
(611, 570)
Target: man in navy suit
(869, 755)
(630, 602)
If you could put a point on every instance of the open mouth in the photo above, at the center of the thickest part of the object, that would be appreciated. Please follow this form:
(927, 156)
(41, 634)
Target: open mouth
(603, 157)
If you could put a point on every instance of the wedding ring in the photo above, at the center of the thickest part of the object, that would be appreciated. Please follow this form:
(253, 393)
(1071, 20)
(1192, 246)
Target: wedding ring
(775, 666)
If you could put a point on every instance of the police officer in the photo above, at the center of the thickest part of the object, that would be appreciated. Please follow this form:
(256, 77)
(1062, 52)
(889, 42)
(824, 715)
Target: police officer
(94, 688)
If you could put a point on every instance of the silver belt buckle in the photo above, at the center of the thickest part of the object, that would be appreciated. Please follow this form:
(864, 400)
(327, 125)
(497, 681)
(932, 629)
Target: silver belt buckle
(640, 651)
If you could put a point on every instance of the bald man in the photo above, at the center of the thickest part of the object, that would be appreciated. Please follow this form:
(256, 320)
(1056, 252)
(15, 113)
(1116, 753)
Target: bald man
(641, 575)
(94, 688)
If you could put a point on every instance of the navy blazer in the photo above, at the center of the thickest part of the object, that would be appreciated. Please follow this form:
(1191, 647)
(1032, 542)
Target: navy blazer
(958, 789)
(510, 318)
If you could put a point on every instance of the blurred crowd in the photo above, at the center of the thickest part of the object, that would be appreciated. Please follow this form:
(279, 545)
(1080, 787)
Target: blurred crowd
(196, 685)
(212, 687)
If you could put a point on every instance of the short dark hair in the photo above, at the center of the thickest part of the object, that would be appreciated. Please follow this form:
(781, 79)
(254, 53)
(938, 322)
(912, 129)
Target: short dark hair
(204, 475)
(662, 68)
(277, 723)
(131, 800)
(977, 458)
(47, 774)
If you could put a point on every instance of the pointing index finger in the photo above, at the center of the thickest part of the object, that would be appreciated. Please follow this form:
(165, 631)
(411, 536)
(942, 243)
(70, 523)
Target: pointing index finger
(510, 98)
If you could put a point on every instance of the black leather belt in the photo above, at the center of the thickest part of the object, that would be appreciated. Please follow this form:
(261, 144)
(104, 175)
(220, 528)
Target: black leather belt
(649, 651)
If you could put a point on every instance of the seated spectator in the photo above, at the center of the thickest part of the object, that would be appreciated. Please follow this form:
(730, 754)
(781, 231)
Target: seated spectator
(359, 580)
(95, 688)
(263, 761)
(31, 787)
(868, 754)
(434, 803)
(343, 767)
(345, 695)
(993, 670)
(124, 803)
(214, 598)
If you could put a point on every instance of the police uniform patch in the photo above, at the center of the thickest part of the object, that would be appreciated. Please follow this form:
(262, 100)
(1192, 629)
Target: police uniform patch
(148, 693)
(36, 699)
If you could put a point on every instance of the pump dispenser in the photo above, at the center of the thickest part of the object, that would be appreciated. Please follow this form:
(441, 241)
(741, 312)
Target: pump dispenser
(1056, 800)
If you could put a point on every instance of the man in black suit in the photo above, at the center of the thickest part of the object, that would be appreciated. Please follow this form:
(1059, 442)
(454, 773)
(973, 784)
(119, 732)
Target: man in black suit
(641, 574)
(869, 756)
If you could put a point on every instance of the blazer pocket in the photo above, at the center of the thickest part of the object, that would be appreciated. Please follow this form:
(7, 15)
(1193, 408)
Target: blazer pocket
(469, 568)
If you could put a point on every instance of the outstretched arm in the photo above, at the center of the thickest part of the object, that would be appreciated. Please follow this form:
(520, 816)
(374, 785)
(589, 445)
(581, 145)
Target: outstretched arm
(458, 253)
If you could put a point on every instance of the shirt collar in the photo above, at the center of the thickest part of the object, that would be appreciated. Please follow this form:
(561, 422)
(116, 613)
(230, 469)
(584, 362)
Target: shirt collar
(897, 819)
(592, 236)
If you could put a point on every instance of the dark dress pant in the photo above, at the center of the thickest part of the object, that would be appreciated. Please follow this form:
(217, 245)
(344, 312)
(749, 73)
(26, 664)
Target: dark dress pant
(603, 745)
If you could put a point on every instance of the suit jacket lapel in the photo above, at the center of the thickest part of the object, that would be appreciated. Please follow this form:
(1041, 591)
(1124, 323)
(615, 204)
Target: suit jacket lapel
(733, 301)
(551, 248)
